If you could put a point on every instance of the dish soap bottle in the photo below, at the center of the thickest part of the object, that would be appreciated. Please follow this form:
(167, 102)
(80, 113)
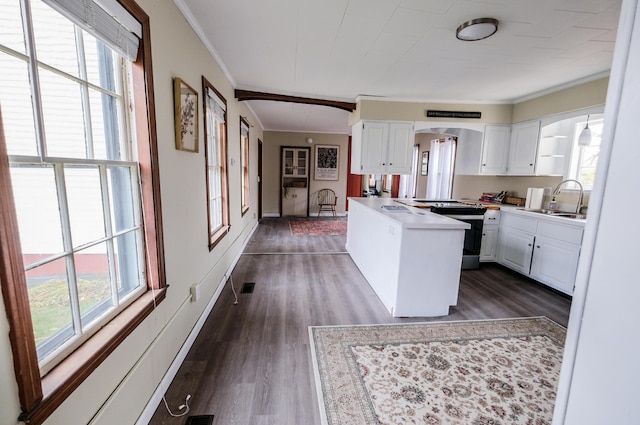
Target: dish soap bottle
(553, 205)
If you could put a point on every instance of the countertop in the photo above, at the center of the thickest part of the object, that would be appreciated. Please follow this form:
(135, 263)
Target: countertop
(409, 216)
(422, 204)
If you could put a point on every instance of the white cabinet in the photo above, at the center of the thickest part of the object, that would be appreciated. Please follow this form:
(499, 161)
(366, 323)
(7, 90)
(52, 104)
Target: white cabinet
(382, 147)
(515, 249)
(523, 148)
(555, 263)
(495, 149)
(295, 203)
(546, 249)
(484, 152)
(295, 162)
(295, 181)
(489, 246)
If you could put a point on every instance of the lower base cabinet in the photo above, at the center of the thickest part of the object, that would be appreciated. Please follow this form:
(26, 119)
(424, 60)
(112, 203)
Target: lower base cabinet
(516, 249)
(489, 247)
(555, 263)
(489, 244)
(296, 202)
(543, 249)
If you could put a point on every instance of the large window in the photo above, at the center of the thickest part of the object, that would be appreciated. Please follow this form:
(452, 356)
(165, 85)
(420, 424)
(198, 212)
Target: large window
(215, 139)
(585, 158)
(78, 149)
(244, 156)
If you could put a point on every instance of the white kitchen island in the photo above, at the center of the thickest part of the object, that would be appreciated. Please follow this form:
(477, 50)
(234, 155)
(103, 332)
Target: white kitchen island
(410, 257)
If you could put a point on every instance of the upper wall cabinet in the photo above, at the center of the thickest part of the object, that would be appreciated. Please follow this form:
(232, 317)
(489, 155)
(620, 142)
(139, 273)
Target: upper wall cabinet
(483, 152)
(382, 147)
(495, 149)
(523, 148)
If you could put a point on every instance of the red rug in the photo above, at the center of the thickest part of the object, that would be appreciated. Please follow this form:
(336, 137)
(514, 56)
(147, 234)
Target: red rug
(318, 227)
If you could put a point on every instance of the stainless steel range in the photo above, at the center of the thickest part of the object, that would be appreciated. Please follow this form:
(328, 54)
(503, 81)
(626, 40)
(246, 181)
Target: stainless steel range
(469, 213)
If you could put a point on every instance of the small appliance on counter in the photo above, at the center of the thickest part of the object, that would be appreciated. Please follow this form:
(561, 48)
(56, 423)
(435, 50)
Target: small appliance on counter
(535, 196)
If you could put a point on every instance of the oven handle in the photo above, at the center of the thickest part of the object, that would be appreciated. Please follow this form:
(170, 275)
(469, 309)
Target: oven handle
(465, 217)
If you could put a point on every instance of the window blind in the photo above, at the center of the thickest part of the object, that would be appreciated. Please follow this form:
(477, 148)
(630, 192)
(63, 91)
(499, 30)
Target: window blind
(215, 104)
(244, 130)
(106, 20)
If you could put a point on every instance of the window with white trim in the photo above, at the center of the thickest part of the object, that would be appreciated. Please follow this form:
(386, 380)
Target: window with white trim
(215, 113)
(584, 159)
(76, 138)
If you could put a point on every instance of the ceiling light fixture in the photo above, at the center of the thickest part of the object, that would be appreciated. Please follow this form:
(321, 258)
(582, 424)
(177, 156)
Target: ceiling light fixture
(585, 135)
(309, 140)
(477, 29)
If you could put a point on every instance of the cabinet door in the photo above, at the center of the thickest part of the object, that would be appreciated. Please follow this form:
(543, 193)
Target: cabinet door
(555, 263)
(295, 203)
(495, 149)
(400, 148)
(288, 162)
(374, 147)
(524, 147)
(515, 248)
(301, 168)
(489, 245)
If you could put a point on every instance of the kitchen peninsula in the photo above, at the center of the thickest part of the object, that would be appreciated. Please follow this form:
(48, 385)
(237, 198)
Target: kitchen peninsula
(410, 257)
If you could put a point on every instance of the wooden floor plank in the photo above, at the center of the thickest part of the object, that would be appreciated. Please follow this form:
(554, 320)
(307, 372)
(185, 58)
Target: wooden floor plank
(251, 362)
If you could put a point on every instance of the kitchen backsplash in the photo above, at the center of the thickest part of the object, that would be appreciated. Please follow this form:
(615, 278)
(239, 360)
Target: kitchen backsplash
(472, 187)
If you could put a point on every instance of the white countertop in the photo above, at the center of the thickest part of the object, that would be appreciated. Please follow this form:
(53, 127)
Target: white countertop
(409, 217)
(520, 210)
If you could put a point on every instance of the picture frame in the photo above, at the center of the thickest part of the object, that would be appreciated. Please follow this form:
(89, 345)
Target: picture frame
(186, 116)
(424, 168)
(327, 162)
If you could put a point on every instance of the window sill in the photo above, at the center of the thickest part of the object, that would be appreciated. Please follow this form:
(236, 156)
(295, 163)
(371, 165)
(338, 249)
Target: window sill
(217, 236)
(67, 376)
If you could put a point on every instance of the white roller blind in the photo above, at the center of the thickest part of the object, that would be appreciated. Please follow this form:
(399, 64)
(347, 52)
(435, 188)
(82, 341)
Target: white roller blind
(106, 20)
(215, 104)
(244, 130)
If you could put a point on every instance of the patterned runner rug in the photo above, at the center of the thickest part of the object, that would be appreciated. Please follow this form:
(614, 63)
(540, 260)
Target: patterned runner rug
(318, 227)
(490, 372)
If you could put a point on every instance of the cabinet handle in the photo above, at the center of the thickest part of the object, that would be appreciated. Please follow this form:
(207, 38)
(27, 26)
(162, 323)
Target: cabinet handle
(484, 234)
(530, 165)
(384, 163)
(538, 246)
(528, 244)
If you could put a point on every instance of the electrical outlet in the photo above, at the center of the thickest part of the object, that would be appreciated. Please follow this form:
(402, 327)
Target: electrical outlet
(195, 292)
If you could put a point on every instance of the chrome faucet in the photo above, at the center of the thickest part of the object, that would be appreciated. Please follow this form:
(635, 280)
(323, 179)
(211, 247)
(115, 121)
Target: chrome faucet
(580, 197)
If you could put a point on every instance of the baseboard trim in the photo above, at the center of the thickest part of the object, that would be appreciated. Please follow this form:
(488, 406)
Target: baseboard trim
(156, 398)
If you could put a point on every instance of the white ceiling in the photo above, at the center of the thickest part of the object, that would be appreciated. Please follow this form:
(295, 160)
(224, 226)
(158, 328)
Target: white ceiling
(399, 50)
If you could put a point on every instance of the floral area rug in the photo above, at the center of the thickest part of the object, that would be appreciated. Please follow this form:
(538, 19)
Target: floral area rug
(318, 227)
(490, 372)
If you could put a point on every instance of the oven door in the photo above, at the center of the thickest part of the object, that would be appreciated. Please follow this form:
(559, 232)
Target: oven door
(472, 236)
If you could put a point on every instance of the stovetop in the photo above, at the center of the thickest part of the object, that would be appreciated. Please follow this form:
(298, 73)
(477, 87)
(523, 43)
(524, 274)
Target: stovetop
(453, 207)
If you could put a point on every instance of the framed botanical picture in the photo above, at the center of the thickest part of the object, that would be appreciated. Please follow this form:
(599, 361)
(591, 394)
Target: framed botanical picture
(186, 116)
(424, 169)
(326, 167)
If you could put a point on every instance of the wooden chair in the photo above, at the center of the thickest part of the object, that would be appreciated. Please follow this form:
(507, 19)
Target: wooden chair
(326, 201)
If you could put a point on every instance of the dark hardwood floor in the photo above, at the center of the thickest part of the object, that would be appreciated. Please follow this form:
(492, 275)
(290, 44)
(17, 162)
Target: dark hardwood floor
(251, 362)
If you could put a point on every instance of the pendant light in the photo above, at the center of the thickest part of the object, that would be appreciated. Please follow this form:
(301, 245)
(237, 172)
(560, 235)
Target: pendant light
(585, 135)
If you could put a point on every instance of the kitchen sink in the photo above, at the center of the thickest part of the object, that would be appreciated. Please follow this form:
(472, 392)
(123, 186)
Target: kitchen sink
(556, 213)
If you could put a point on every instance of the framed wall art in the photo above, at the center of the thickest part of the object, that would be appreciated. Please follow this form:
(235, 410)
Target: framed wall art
(186, 116)
(326, 167)
(424, 169)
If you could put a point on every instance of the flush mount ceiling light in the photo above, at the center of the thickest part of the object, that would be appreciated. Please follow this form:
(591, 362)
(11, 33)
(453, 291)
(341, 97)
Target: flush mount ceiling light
(585, 135)
(309, 140)
(477, 29)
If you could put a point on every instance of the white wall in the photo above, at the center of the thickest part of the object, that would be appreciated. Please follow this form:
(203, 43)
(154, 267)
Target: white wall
(601, 386)
(118, 391)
